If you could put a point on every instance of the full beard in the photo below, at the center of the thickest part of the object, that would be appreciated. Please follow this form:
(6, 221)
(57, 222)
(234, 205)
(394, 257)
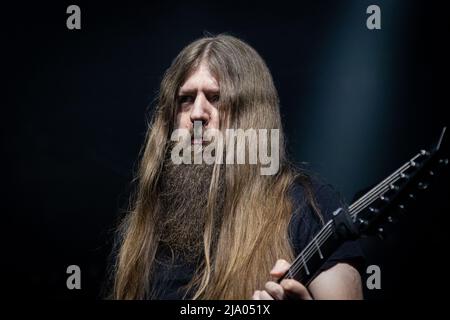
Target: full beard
(184, 191)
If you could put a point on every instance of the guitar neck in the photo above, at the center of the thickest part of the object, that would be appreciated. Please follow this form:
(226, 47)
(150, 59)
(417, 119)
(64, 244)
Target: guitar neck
(365, 215)
(306, 265)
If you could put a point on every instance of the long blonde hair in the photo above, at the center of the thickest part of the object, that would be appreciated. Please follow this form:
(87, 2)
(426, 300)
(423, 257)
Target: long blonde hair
(257, 209)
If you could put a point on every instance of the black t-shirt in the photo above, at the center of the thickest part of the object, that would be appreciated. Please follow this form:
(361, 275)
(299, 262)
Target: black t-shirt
(170, 277)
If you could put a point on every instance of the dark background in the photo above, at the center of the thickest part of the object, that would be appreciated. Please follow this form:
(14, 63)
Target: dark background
(356, 104)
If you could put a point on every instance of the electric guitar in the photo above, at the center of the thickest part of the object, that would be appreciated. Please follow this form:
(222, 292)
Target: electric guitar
(367, 215)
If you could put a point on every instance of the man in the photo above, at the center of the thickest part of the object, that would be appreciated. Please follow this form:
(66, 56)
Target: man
(214, 231)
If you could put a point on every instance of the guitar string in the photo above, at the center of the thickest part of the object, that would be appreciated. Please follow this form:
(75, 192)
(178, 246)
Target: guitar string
(319, 239)
(326, 231)
(402, 168)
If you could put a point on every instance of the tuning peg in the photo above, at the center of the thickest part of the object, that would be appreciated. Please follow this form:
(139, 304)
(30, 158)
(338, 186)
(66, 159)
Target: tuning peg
(364, 223)
(422, 185)
(431, 173)
(443, 162)
(412, 196)
(380, 233)
(393, 187)
(401, 209)
(390, 219)
(404, 175)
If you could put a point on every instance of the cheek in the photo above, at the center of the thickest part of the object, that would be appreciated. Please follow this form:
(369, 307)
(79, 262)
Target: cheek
(182, 120)
(214, 119)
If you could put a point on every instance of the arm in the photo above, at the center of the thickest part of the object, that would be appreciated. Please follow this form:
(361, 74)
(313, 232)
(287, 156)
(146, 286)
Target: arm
(340, 282)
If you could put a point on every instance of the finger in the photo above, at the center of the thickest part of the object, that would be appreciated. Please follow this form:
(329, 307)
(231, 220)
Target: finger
(256, 295)
(280, 268)
(275, 290)
(295, 290)
(263, 295)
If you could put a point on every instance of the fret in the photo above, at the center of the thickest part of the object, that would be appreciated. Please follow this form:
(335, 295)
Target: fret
(318, 248)
(311, 256)
(304, 264)
(384, 189)
(379, 191)
(373, 205)
(400, 173)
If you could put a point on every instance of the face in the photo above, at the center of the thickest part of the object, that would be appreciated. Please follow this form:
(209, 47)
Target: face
(198, 100)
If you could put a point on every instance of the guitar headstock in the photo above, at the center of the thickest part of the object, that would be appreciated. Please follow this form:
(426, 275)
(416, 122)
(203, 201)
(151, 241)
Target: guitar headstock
(395, 194)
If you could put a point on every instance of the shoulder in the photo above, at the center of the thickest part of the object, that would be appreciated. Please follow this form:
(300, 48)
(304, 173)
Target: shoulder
(313, 201)
(306, 221)
(314, 190)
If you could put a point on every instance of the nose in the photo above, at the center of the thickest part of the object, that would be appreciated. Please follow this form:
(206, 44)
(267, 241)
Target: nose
(199, 111)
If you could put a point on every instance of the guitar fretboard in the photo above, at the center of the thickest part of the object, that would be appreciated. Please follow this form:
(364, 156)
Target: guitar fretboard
(326, 241)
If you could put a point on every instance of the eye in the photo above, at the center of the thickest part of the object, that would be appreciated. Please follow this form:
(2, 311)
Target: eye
(185, 99)
(214, 98)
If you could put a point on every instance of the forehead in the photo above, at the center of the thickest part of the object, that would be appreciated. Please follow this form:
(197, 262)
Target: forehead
(200, 78)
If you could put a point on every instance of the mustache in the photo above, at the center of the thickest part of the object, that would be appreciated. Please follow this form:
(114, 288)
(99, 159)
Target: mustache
(206, 134)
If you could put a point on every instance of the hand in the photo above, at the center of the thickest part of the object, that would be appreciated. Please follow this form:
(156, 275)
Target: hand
(287, 289)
